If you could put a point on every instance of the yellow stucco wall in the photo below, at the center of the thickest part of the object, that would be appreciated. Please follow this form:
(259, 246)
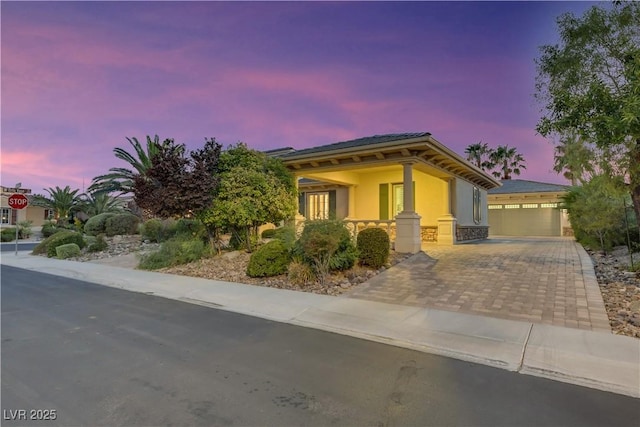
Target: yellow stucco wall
(430, 191)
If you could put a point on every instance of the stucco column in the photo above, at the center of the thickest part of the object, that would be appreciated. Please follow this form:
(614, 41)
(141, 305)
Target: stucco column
(351, 210)
(407, 181)
(447, 223)
(408, 236)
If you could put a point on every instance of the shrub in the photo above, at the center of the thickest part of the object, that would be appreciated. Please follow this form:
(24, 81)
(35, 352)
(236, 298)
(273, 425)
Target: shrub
(24, 229)
(300, 273)
(373, 247)
(78, 225)
(286, 235)
(326, 246)
(97, 224)
(49, 229)
(67, 251)
(269, 260)
(8, 234)
(156, 230)
(99, 245)
(124, 223)
(63, 237)
(190, 228)
(268, 233)
(174, 251)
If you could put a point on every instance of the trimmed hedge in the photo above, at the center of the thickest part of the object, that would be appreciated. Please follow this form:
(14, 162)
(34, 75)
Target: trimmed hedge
(67, 251)
(124, 223)
(97, 224)
(373, 246)
(269, 260)
(268, 233)
(156, 230)
(8, 234)
(63, 237)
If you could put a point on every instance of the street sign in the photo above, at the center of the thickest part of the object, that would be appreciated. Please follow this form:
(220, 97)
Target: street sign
(18, 201)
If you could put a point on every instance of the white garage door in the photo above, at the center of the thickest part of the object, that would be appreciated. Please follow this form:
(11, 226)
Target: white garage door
(528, 219)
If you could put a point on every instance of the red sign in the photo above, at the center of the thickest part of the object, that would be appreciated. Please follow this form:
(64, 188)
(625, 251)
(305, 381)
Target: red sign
(18, 201)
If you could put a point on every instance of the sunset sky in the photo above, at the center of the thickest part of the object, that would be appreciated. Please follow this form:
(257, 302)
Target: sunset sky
(79, 77)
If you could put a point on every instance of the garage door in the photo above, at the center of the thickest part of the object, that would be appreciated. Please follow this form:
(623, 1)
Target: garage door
(529, 219)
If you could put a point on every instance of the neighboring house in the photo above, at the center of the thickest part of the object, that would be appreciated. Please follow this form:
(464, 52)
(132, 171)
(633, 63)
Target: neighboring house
(9, 217)
(528, 208)
(364, 182)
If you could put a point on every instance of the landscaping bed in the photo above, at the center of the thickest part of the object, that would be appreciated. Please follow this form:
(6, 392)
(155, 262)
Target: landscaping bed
(620, 290)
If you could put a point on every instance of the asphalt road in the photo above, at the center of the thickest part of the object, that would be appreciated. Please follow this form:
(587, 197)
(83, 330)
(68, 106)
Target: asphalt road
(101, 356)
(11, 246)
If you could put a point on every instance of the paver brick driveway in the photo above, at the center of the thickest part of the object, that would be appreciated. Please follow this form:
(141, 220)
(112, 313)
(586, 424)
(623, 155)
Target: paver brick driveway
(541, 280)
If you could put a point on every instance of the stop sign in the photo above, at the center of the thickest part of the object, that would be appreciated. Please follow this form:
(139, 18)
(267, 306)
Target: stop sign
(18, 201)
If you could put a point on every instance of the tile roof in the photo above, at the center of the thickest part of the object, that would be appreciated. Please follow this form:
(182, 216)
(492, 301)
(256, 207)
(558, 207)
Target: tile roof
(523, 186)
(360, 142)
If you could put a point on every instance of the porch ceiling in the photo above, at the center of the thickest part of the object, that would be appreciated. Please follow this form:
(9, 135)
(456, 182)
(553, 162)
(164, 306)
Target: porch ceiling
(428, 155)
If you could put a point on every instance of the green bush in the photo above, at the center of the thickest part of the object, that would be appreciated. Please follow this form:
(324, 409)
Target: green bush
(174, 251)
(63, 237)
(49, 229)
(123, 223)
(286, 235)
(373, 247)
(269, 260)
(326, 246)
(268, 233)
(8, 234)
(156, 230)
(99, 245)
(67, 251)
(97, 224)
(190, 228)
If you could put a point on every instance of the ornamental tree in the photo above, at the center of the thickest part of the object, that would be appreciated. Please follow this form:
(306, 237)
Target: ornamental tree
(589, 84)
(254, 190)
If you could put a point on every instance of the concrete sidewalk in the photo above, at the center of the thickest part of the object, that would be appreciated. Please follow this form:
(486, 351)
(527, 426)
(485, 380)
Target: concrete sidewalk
(588, 358)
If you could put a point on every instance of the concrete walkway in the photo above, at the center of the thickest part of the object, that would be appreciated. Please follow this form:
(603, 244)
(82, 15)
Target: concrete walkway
(593, 359)
(541, 280)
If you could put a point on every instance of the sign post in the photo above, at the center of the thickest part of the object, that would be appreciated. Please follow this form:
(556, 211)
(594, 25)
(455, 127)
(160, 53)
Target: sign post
(18, 201)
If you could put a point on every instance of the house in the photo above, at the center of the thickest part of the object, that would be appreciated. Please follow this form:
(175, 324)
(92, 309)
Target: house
(10, 217)
(528, 208)
(364, 182)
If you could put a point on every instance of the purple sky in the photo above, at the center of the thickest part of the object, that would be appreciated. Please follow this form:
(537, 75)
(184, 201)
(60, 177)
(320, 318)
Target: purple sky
(79, 77)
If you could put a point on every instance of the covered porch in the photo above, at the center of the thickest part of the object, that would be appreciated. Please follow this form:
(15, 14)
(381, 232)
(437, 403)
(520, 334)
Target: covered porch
(412, 187)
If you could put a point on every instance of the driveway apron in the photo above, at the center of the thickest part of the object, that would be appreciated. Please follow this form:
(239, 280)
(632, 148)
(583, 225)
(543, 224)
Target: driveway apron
(540, 280)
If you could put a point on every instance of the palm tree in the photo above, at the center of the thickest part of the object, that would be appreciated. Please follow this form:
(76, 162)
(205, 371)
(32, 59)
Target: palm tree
(508, 161)
(97, 203)
(63, 201)
(478, 154)
(573, 158)
(121, 179)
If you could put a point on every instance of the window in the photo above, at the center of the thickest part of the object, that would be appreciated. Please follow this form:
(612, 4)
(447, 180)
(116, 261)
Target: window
(477, 212)
(48, 213)
(529, 205)
(512, 206)
(548, 205)
(398, 199)
(318, 206)
(495, 206)
(6, 215)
